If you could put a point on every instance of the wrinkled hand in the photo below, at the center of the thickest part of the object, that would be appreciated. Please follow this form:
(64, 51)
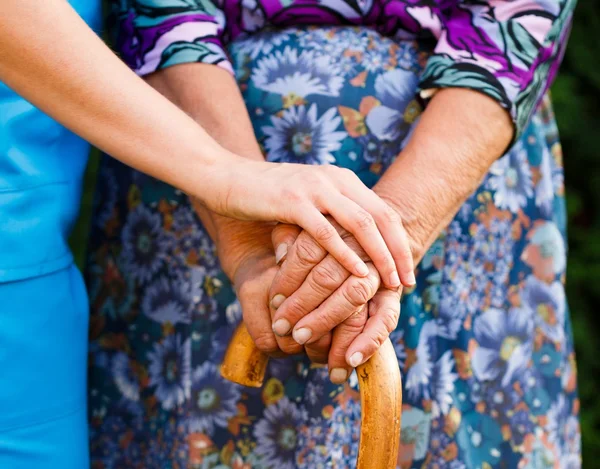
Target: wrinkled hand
(247, 258)
(341, 319)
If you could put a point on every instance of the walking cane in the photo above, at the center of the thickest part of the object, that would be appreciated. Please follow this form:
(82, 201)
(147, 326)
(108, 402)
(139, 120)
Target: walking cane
(380, 395)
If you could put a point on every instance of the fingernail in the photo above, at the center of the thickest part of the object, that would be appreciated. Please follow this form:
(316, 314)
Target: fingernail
(280, 252)
(281, 327)
(338, 375)
(356, 359)
(362, 269)
(277, 301)
(411, 279)
(394, 279)
(302, 335)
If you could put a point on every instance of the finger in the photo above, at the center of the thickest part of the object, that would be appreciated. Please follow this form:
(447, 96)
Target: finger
(319, 351)
(283, 238)
(322, 281)
(315, 223)
(361, 224)
(384, 312)
(389, 224)
(303, 256)
(395, 236)
(345, 301)
(253, 297)
(257, 317)
(343, 336)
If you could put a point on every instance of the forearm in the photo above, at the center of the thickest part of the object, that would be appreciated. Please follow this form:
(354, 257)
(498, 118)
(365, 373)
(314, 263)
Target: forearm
(210, 96)
(459, 136)
(50, 57)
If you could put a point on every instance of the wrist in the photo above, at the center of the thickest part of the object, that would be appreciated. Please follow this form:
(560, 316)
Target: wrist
(416, 231)
(216, 183)
(239, 241)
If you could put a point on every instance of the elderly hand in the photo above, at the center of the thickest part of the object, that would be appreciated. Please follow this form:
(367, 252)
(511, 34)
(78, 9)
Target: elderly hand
(246, 256)
(341, 319)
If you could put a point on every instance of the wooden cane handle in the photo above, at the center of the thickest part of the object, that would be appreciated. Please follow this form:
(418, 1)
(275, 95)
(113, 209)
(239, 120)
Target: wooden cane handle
(244, 363)
(381, 409)
(380, 395)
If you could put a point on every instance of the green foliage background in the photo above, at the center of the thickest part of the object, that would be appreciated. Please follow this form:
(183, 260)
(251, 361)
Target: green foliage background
(576, 94)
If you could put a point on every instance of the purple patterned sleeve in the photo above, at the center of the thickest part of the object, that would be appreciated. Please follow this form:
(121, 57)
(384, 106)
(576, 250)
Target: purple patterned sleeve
(509, 50)
(156, 34)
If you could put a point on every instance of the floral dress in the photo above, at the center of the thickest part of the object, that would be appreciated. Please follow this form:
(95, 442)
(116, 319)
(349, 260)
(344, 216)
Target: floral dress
(484, 342)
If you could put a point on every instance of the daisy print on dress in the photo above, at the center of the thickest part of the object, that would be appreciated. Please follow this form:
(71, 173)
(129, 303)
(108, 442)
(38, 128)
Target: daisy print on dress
(125, 378)
(213, 399)
(277, 435)
(193, 242)
(511, 179)
(170, 363)
(166, 301)
(505, 343)
(259, 44)
(547, 303)
(427, 378)
(299, 136)
(144, 243)
(296, 75)
(396, 90)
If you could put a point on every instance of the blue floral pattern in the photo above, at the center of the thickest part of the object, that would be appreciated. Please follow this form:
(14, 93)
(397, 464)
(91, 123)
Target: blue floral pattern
(484, 341)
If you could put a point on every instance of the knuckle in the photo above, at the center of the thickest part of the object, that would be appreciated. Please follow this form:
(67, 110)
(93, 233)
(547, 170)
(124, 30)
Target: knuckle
(358, 292)
(329, 169)
(348, 174)
(390, 215)
(355, 246)
(292, 195)
(384, 256)
(356, 322)
(315, 176)
(362, 290)
(327, 276)
(378, 338)
(353, 326)
(326, 320)
(294, 309)
(364, 220)
(389, 317)
(324, 233)
(307, 252)
(266, 343)
(244, 290)
(374, 280)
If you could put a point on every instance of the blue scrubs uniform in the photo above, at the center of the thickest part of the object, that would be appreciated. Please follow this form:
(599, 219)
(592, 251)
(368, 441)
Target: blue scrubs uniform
(43, 302)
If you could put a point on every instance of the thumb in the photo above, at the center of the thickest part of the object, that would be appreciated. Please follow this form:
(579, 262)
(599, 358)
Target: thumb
(283, 237)
(253, 297)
